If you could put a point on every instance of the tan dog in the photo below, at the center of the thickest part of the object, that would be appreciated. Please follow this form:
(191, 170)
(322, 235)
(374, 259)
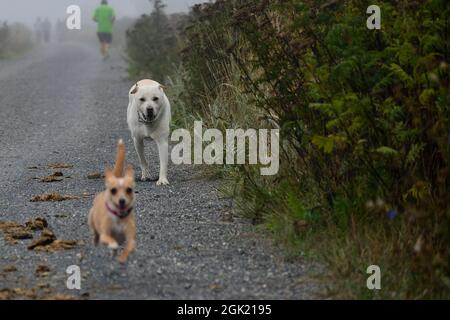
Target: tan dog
(112, 218)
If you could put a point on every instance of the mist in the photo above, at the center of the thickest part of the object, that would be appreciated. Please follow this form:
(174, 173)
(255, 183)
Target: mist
(27, 11)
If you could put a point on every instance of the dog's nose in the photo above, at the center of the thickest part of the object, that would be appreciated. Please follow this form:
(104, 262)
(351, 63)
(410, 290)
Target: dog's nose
(122, 202)
(150, 112)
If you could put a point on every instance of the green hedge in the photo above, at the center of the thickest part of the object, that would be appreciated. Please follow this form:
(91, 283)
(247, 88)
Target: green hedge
(364, 115)
(364, 119)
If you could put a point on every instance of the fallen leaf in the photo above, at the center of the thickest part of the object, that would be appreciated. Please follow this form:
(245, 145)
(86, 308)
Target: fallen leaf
(47, 237)
(49, 243)
(95, 176)
(42, 270)
(7, 294)
(10, 268)
(53, 197)
(37, 224)
(54, 177)
(32, 293)
(13, 231)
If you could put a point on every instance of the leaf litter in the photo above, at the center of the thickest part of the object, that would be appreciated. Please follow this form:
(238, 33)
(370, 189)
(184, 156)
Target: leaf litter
(47, 242)
(33, 294)
(42, 270)
(53, 197)
(94, 176)
(57, 197)
(54, 177)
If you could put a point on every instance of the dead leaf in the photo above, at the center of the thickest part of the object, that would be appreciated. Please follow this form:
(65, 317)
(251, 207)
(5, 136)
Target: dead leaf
(31, 293)
(57, 245)
(43, 285)
(53, 197)
(93, 176)
(47, 237)
(13, 231)
(37, 224)
(54, 177)
(42, 270)
(11, 268)
(49, 243)
(59, 165)
(8, 294)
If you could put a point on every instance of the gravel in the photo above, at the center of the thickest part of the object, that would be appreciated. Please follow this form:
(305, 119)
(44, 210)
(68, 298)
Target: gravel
(64, 104)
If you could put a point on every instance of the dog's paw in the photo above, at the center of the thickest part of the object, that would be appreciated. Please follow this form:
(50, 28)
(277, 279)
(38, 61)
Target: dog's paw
(123, 259)
(162, 182)
(113, 245)
(145, 175)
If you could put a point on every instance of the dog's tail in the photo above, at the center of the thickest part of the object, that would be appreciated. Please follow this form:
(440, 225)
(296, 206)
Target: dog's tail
(120, 159)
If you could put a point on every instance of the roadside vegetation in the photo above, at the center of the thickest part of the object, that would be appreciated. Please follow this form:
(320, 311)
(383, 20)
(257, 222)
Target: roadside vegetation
(364, 121)
(15, 39)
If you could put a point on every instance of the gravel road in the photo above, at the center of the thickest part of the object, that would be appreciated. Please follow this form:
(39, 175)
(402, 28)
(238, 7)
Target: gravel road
(63, 104)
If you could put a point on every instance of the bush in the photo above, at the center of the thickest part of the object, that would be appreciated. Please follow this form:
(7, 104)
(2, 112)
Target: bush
(15, 39)
(364, 117)
(151, 45)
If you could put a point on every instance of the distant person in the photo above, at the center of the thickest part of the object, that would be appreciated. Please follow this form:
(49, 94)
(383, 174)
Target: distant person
(47, 30)
(104, 16)
(38, 30)
(59, 30)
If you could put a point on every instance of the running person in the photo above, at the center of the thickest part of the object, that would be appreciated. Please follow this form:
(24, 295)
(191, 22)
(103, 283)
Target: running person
(104, 16)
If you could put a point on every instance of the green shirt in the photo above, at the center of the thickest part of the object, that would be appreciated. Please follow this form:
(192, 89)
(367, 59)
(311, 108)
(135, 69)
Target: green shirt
(104, 16)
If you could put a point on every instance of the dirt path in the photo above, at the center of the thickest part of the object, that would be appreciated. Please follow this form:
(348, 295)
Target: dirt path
(65, 105)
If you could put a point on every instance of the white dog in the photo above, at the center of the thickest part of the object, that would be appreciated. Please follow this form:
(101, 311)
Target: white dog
(149, 116)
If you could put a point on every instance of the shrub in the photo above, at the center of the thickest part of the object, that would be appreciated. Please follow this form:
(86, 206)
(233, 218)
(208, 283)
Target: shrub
(151, 45)
(364, 117)
(15, 39)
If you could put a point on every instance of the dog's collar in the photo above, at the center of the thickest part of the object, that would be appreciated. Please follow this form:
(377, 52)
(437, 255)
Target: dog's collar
(119, 214)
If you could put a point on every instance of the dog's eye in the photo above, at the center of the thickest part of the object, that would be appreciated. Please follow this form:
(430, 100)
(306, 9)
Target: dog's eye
(155, 99)
(113, 191)
(129, 191)
(142, 99)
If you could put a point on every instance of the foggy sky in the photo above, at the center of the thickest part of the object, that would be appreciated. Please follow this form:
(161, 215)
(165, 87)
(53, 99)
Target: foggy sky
(28, 10)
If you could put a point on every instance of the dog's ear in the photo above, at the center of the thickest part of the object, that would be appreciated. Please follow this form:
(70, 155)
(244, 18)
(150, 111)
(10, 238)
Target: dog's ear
(162, 87)
(135, 89)
(130, 171)
(109, 173)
